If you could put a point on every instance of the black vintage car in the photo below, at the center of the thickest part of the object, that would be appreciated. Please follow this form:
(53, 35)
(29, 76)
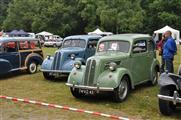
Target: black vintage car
(20, 53)
(170, 92)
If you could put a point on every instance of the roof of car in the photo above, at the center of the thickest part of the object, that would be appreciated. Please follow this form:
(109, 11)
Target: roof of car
(126, 37)
(86, 37)
(9, 39)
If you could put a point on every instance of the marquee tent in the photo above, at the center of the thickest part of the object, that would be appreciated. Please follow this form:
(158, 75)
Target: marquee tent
(99, 32)
(16, 33)
(46, 35)
(175, 33)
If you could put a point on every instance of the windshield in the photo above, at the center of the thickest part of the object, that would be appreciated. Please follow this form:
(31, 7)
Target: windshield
(74, 43)
(115, 46)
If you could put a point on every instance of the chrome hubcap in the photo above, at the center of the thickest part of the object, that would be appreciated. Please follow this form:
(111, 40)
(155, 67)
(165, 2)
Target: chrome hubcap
(32, 67)
(123, 89)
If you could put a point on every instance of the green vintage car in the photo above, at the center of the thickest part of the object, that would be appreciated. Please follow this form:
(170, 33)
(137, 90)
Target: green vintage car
(121, 62)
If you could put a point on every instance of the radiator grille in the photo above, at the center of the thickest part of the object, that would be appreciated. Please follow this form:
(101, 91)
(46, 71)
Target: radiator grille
(56, 61)
(90, 73)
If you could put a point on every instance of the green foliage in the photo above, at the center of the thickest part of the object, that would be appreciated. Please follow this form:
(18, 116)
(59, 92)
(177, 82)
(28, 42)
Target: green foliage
(67, 17)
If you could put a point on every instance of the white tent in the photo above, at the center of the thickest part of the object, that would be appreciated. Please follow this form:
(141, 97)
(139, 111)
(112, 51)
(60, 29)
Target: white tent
(44, 33)
(175, 33)
(47, 35)
(99, 32)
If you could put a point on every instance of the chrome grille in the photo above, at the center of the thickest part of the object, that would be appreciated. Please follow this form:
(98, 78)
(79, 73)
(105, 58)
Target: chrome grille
(90, 73)
(56, 61)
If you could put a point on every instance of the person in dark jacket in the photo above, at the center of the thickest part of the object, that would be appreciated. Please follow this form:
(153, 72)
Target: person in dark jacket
(169, 50)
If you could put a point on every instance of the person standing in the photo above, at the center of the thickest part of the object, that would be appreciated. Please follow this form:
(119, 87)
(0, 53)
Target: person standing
(160, 50)
(169, 50)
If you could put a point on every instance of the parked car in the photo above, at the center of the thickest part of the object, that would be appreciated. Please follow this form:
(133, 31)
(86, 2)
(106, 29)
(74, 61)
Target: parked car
(120, 63)
(78, 47)
(170, 92)
(20, 53)
(53, 43)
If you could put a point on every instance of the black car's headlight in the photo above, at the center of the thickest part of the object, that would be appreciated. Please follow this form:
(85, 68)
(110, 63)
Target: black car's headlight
(77, 64)
(72, 56)
(112, 66)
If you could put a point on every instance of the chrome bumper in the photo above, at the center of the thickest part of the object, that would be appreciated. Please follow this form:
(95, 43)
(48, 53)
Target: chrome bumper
(55, 71)
(175, 99)
(90, 87)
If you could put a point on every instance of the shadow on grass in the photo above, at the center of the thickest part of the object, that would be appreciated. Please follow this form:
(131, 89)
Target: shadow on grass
(62, 79)
(12, 74)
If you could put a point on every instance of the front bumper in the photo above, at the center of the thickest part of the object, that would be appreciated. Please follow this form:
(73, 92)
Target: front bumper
(55, 71)
(90, 87)
(175, 99)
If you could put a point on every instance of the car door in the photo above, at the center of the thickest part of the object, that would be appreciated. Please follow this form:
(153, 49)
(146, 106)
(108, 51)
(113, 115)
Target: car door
(139, 66)
(11, 54)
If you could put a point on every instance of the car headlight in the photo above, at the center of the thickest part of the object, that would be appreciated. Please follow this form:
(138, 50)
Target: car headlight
(48, 57)
(77, 64)
(72, 56)
(112, 66)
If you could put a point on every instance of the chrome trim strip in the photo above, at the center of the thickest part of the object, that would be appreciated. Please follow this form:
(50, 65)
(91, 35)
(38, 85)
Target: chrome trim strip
(90, 87)
(55, 71)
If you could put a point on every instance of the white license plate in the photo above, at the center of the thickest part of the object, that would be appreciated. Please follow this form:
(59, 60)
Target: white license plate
(87, 91)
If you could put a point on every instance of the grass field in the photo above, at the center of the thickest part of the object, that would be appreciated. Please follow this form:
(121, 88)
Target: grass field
(142, 103)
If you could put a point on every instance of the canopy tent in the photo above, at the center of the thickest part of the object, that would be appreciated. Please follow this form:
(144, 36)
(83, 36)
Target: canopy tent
(175, 33)
(16, 33)
(99, 32)
(46, 35)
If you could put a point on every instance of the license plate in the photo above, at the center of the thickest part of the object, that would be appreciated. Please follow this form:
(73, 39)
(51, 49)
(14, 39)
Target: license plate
(87, 91)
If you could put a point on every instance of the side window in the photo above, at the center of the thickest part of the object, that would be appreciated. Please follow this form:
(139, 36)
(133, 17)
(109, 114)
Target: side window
(27, 45)
(140, 46)
(23, 45)
(10, 47)
(92, 44)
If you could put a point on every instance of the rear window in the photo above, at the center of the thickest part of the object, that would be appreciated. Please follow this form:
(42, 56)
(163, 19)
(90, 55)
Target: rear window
(27, 45)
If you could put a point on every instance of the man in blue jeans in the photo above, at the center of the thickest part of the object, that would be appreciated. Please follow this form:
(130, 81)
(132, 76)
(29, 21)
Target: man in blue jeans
(169, 50)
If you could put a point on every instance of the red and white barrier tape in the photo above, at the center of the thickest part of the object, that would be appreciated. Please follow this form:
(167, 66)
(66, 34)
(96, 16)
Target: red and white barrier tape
(63, 107)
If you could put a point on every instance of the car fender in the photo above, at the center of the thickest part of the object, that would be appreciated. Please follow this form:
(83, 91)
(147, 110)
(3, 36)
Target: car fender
(155, 64)
(68, 65)
(34, 56)
(112, 78)
(166, 80)
(81, 59)
(47, 63)
(5, 66)
(76, 75)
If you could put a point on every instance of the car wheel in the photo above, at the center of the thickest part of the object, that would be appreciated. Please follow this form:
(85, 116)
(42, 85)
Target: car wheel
(47, 76)
(75, 92)
(122, 91)
(155, 77)
(166, 107)
(32, 67)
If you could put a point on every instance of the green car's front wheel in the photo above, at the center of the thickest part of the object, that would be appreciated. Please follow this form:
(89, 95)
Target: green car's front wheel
(75, 92)
(122, 91)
